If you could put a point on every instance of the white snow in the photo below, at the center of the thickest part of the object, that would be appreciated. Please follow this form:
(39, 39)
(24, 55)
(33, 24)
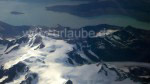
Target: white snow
(116, 37)
(52, 67)
(105, 32)
(92, 53)
(2, 79)
(10, 48)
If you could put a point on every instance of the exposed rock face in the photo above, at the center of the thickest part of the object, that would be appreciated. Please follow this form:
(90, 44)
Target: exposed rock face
(69, 82)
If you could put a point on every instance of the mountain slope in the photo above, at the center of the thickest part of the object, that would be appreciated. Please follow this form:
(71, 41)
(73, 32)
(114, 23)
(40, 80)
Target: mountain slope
(43, 56)
(10, 31)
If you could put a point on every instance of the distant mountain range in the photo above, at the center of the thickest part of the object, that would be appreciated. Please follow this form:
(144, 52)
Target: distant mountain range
(7, 30)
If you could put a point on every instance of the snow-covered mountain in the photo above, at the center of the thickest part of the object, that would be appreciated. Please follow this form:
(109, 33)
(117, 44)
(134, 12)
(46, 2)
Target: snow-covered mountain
(113, 55)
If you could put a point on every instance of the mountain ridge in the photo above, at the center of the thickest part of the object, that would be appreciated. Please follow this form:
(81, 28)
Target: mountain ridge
(43, 50)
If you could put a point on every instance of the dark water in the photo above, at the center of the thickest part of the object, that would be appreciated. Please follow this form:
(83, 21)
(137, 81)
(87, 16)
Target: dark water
(35, 14)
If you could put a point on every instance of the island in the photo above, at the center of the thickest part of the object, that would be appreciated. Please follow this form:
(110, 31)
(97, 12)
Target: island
(139, 10)
(16, 13)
